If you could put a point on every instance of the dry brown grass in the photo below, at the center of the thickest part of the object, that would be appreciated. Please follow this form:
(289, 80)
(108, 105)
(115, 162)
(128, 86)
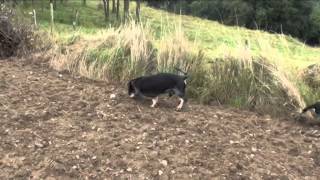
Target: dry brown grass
(116, 54)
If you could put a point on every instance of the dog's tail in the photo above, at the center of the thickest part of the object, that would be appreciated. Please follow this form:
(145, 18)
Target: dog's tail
(185, 74)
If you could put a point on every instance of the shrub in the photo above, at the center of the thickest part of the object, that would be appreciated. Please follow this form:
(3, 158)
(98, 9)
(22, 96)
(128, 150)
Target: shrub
(17, 36)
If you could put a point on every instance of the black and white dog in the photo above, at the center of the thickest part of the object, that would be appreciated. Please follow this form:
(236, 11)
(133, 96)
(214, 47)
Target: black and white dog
(154, 85)
(316, 107)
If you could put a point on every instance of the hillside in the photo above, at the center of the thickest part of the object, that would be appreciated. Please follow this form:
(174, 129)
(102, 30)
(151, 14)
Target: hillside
(215, 39)
(172, 40)
(55, 125)
(65, 112)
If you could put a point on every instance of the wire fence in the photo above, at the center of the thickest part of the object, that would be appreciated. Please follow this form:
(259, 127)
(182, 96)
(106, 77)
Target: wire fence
(70, 12)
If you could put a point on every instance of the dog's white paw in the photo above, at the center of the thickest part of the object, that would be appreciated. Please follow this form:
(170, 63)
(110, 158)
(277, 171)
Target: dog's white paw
(154, 102)
(179, 107)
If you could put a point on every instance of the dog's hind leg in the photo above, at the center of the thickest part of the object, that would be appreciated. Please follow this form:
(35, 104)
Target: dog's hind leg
(179, 107)
(181, 95)
(154, 102)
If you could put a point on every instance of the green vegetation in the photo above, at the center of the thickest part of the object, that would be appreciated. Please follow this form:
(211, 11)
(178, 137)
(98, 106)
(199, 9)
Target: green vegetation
(295, 17)
(232, 65)
(215, 39)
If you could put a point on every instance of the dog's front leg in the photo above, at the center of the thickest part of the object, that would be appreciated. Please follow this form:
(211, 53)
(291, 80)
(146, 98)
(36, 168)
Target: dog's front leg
(154, 102)
(135, 93)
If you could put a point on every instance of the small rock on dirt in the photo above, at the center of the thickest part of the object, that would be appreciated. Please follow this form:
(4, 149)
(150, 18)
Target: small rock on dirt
(160, 172)
(164, 162)
(112, 96)
(129, 169)
(294, 151)
(39, 144)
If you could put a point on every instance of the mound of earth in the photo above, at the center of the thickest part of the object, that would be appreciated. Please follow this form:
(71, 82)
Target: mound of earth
(56, 126)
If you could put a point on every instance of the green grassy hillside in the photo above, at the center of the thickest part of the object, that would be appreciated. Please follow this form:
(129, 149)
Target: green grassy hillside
(181, 40)
(216, 39)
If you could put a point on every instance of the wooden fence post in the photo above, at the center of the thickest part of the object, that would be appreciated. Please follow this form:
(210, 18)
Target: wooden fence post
(52, 18)
(35, 17)
(75, 21)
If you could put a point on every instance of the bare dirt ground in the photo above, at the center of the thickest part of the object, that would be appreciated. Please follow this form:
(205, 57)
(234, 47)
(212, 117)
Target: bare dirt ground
(55, 126)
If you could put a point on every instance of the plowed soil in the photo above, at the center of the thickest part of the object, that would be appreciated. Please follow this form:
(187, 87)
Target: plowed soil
(57, 126)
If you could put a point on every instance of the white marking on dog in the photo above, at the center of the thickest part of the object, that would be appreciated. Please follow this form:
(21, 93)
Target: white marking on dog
(132, 95)
(185, 82)
(180, 104)
(154, 102)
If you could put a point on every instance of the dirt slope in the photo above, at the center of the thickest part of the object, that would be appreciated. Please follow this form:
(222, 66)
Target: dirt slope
(60, 127)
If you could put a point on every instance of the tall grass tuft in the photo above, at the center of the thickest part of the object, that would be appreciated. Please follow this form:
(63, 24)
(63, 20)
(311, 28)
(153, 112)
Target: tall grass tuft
(247, 83)
(309, 83)
(118, 55)
(176, 51)
(126, 52)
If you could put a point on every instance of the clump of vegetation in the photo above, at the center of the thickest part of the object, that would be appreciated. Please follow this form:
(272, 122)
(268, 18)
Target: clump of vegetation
(309, 83)
(251, 83)
(127, 52)
(311, 76)
(120, 54)
(17, 36)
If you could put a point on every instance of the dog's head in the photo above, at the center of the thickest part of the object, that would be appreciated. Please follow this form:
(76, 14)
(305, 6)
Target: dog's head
(131, 89)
